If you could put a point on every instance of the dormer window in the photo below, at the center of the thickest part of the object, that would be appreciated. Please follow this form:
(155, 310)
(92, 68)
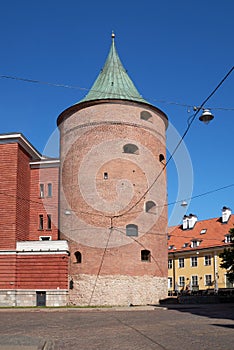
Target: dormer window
(195, 243)
(227, 238)
(171, 247)
(185, 245)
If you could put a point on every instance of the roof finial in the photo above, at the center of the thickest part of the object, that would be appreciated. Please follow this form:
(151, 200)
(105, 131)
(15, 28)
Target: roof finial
(113, 35)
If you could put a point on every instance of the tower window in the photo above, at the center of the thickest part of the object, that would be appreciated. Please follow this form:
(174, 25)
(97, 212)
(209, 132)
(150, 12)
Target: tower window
(132, 230)
(105, 176)
(130, 148)
(161, 157)
(146, 116)
(145, 255)
(150, 207)
(78, 257)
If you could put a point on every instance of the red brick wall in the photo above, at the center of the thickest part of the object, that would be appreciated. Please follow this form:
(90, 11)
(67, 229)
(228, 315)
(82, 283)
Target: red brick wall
(42, 271)
(92, 141)
(7, 271)
(8, 195)
(46, 205)
(23, 196)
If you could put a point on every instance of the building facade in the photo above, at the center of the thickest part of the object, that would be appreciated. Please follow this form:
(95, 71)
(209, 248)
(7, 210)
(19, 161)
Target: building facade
(193, 254)
(33, 263)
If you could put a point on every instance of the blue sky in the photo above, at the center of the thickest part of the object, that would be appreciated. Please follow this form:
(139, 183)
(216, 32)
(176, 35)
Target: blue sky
(176, 52)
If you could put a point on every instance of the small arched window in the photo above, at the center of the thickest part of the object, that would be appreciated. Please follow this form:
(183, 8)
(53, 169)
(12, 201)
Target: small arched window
(78, 257)
(150, 207)
(161, 157)
(132, 230)
(131, 148)
(146, 116)
(145, 255)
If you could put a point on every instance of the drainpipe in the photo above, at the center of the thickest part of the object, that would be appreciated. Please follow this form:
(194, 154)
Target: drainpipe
(216, 287)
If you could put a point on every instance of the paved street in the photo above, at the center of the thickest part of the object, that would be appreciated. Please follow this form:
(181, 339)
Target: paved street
(192, 327)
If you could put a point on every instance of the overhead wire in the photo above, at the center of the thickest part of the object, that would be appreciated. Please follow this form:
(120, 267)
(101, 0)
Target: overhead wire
(74, 87)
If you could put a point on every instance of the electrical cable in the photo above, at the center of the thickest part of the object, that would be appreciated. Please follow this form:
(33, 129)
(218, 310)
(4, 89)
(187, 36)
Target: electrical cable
(180, 141)
(67, 86)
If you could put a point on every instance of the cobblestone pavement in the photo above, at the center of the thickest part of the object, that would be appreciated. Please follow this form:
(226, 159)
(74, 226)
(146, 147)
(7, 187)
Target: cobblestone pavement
(184, 327)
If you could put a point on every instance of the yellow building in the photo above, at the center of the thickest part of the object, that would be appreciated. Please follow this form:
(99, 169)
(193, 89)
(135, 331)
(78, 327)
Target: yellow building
(193, 254)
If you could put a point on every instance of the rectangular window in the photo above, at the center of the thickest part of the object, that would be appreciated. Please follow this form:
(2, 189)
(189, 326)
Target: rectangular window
(194, 281)
(49, 190)
(207, 260)
(48, 222)
(194, 261)
(169, 263)
(181, 281)
(41, 222)
(228, 239)
(169, 282)
(181, 262)
(42, 191)
(208, 280)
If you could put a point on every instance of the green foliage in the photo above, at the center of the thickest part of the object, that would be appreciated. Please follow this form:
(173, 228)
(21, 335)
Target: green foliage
(228, 258)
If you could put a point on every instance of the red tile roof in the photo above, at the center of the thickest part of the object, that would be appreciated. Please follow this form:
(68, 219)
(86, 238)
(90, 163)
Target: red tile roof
(213, 237)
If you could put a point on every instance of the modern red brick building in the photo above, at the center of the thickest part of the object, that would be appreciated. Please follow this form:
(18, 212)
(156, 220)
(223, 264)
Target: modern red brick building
(33, 263)
(107, 194)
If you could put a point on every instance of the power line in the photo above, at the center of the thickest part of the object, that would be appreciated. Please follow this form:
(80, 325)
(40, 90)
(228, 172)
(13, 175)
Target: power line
(73, 87)
(192, 118)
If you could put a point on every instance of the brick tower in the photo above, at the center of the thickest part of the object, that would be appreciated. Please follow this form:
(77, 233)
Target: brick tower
(112, 199)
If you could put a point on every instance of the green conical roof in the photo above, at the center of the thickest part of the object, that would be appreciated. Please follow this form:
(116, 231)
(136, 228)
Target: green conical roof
(113, 81)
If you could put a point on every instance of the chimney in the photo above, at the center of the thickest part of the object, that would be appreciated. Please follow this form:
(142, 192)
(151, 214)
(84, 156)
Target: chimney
(189, 221)
(192, 220)
(185, 222)
(226, 213)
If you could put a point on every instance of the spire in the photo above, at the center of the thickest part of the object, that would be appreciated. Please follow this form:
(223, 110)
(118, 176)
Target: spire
(113, 81)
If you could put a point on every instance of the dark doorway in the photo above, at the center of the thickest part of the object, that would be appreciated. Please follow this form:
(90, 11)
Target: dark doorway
(41, 298)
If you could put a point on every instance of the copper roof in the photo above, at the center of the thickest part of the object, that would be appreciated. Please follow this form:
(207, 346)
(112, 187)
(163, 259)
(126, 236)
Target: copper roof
(113, 81)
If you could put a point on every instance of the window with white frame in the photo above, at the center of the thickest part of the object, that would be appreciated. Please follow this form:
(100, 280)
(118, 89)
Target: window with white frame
(207, 260)
(181, 262)
(169, 263)
(194, 281)
(181, 281)
(227, 239)
(194, 261)
(208, 280)
(195, 243)
(169, 282)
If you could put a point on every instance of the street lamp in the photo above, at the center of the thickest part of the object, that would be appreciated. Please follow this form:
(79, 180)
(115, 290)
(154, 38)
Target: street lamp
(206, 116)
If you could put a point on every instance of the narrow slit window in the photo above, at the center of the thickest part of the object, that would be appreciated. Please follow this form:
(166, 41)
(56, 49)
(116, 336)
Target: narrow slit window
(49, 222)
(41, 222)
(49, 190)
(42, 191)
(105, 176)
